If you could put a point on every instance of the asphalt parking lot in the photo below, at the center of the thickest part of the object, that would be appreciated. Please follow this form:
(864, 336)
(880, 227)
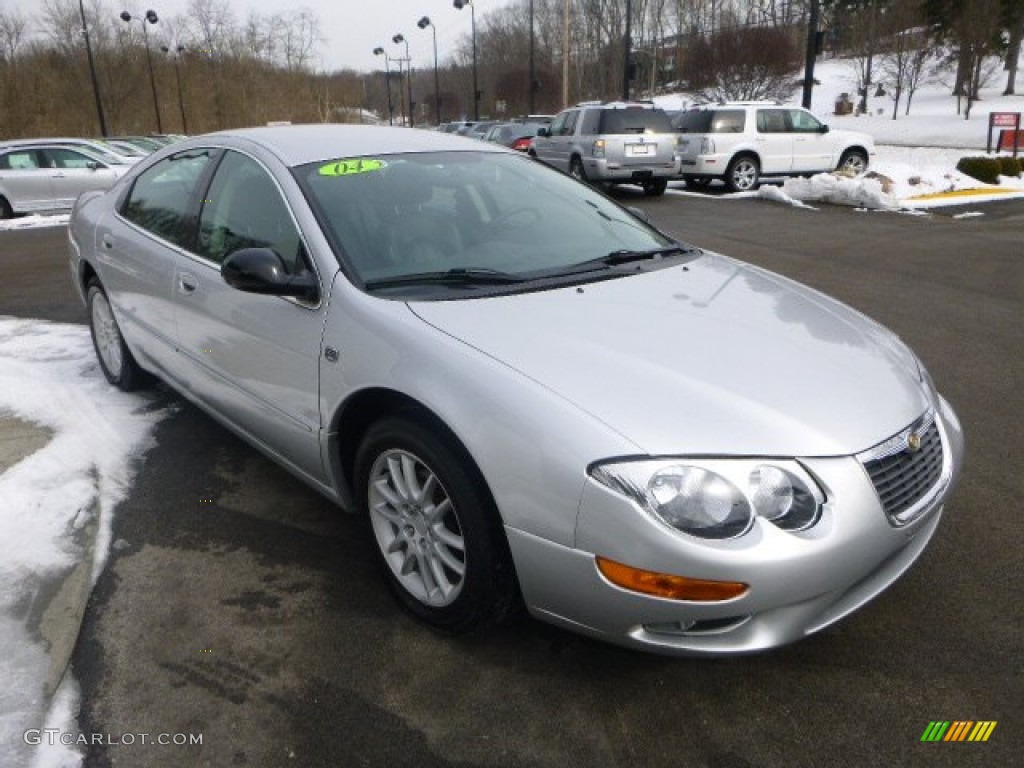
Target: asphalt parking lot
(239, 605)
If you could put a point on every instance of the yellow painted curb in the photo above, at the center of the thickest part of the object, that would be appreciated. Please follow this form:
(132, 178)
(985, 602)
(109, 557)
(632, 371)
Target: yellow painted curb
(965, 193)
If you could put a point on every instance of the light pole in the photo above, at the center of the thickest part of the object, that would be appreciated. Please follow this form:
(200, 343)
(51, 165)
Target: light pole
(408, 69)
(92, 71)
(460, 4)
(423, 24)
(627, 46)
(378, 51)
(149, 18)
(533, 75)
(177, 78)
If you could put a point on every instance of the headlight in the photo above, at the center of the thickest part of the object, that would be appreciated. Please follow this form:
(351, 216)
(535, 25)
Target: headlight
(717, 498)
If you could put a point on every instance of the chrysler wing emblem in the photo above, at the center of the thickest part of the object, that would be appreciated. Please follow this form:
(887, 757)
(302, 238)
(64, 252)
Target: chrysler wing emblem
(913, 442)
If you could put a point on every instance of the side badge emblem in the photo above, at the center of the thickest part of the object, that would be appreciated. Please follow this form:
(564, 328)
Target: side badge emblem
(330, 354)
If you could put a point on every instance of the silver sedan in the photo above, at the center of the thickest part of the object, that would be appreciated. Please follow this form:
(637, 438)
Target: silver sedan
(533, 395)
(50, 176)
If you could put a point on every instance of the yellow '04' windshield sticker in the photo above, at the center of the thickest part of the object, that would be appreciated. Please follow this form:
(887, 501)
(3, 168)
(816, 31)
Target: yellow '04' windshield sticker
(352, 166)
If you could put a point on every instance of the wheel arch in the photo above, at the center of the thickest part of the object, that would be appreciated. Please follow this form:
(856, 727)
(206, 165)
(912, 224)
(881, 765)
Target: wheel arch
(359, 411)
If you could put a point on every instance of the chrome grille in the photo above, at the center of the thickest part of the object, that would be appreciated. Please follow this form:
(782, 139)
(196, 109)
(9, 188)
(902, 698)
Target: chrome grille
(904, 478)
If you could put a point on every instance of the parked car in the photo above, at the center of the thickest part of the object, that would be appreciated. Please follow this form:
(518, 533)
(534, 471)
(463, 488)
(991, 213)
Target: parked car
(614, 143)
(518, 136)
(739, 142)
(479, 130)
(142, 142)
(49, 177)
(96, 148)
(526, 389)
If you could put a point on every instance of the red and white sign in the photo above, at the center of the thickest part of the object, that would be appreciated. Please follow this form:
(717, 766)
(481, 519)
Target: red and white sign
(1005, 119)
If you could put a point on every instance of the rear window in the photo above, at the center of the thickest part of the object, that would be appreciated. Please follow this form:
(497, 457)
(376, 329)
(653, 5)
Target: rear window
(634, 120)
(711, 121)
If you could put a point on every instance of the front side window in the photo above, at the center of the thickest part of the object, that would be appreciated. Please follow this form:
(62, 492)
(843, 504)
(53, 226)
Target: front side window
(162, 195)
(244, 209)
(570, 123)
(477, 213)
(61, 157)
(804, 122)
(558, 123)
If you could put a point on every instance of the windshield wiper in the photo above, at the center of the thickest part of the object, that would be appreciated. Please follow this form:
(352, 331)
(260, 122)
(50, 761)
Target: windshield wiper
(456, 276)
(625, 256)
(615, 258)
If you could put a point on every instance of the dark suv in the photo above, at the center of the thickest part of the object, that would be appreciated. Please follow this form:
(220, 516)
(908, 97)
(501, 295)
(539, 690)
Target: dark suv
(615, 143)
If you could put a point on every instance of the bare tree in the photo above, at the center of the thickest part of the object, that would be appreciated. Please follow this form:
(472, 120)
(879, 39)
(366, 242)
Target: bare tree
(748, 64)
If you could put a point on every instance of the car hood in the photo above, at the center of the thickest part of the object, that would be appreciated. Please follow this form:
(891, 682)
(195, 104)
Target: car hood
(714, 357)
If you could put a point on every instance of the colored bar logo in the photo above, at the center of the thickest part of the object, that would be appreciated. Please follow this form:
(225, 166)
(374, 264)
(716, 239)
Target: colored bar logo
(958, 730)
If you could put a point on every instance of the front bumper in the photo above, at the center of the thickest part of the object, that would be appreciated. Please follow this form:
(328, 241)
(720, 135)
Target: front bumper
(800, 582)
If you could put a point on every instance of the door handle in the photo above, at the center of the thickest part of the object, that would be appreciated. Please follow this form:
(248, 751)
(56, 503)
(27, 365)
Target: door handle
(187, 283)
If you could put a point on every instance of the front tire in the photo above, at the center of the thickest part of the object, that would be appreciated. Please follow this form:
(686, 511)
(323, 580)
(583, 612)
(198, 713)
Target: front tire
(116, 360)
(853, 161)
(6, 212)
(437, 532)
(743, 174)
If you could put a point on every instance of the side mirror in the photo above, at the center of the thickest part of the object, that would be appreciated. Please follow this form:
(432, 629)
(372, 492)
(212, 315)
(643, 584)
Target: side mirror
(262, 270)
(543, 132)
(92, 165)
(823, 128)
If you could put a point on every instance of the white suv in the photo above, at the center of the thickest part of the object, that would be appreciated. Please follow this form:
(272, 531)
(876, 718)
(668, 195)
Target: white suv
(739, 142)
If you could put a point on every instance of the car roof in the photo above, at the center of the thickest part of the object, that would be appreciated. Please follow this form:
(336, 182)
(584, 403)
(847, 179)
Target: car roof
(300, 144)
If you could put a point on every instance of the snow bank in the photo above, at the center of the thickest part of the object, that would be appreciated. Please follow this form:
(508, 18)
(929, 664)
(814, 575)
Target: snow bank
(51, 501)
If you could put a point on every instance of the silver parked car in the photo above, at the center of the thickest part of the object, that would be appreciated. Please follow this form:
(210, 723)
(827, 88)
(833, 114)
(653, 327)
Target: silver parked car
(527, 390)
(50, 177)
(611, 143)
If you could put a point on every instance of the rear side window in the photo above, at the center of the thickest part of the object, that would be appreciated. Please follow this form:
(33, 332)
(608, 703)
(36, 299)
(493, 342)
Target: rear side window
(772, 121)
(591, 121)
(162, 196)
(21, 160)
(60, 157)
(634, 120)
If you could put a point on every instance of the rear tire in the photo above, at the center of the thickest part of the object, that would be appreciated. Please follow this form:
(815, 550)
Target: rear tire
(436, 531)
(6, 212)
(655, 188)
(577, 171)
(743, 174)
(116, 360)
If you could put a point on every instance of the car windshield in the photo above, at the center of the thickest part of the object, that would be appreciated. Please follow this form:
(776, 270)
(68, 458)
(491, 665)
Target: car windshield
(501, 218)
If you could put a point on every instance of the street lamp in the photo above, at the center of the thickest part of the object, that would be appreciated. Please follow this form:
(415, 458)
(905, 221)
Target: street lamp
(423, 24)
(533, 73)
(397, 39)
(92, 71)
(177, 77)
(378, 51)
(460, 4)
(149, 18)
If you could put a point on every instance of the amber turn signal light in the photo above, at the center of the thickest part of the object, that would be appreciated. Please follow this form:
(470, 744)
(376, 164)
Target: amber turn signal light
(667, 585)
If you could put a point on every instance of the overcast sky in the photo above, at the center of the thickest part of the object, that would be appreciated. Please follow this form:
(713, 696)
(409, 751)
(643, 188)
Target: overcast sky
(350, 29)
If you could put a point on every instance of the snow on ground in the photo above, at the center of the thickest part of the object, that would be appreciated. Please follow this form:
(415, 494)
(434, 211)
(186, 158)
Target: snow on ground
(49, 503)
(33, 221)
